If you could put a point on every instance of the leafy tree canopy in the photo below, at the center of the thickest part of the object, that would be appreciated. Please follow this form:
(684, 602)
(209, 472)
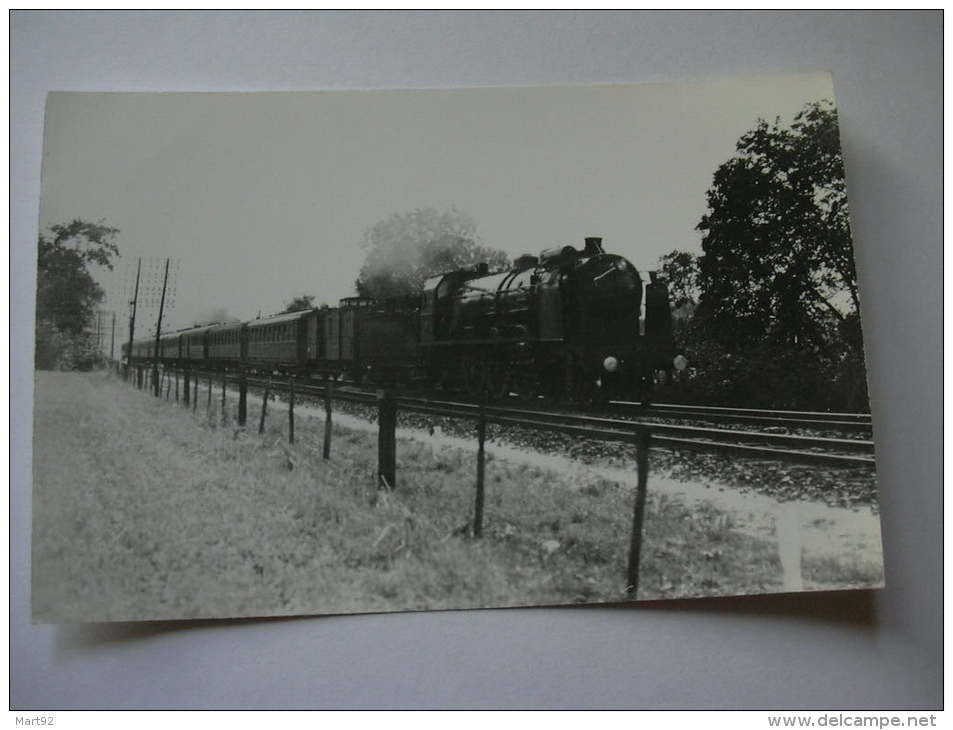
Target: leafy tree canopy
(300, 303)
(67, 294)
(406, 249)
(680, 271)
(778, 262)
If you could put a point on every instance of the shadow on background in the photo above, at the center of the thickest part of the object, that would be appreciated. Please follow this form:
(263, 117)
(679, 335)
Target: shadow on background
(857, 608)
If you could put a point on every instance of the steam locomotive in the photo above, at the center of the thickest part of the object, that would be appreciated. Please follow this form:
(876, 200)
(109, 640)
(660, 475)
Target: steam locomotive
(565, 324)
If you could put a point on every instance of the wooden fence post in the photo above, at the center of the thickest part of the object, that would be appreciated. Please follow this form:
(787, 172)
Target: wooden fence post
(386, 441)
(186, 392)
(291, 410)
(327, 418)
(481, 470)
(224, 381)
(242, 398)
(264, 407)
(208, 404)
(176, 375)
(168, 384)
(195, 393)
(638, 516)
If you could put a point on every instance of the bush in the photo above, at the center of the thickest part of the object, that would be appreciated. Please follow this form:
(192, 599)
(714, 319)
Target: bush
(58, 350)
(770, 375)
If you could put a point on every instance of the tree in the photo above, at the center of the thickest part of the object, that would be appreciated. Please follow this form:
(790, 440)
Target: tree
(300, 303)
(680, 271)
(406, 249)
(66, 293)
(778, 261)
(777, 320)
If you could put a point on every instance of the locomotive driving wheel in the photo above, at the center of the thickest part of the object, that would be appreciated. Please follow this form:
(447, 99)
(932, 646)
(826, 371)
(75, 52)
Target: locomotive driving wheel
(475, 377)
(581, 387)
(527, 387)
(499, 381)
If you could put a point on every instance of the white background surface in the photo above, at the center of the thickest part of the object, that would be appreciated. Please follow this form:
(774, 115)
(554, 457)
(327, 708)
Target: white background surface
(849, 650)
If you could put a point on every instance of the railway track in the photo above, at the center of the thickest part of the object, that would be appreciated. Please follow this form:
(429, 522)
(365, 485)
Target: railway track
(802, 449)
(819, 420)
(846, 452)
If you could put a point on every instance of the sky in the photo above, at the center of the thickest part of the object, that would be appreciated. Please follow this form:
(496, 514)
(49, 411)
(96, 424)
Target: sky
(258, 197)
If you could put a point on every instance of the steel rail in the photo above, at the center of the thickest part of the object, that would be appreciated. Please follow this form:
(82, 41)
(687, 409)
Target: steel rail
(861, 445)
(692, 437)
(629, 434)
(785, 422)
(780, 415)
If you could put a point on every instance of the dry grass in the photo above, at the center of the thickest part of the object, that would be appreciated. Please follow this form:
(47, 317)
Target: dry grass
(145, 510)
(824, 573)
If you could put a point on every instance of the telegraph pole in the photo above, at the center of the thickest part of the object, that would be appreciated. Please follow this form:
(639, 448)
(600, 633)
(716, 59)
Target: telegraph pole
(155, 367)
(132, 319)
(112, 344)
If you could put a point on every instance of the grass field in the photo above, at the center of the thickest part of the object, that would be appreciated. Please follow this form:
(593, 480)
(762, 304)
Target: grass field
(145, 510)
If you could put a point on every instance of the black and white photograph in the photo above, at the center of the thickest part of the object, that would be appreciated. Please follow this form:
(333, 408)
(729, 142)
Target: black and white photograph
(342, 352)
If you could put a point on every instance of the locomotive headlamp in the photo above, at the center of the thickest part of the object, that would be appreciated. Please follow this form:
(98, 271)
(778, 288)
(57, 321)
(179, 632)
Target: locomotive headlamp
(680, 362)
(611, 364)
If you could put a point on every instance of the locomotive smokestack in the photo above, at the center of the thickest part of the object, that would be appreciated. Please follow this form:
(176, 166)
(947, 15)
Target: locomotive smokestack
(593, 245)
